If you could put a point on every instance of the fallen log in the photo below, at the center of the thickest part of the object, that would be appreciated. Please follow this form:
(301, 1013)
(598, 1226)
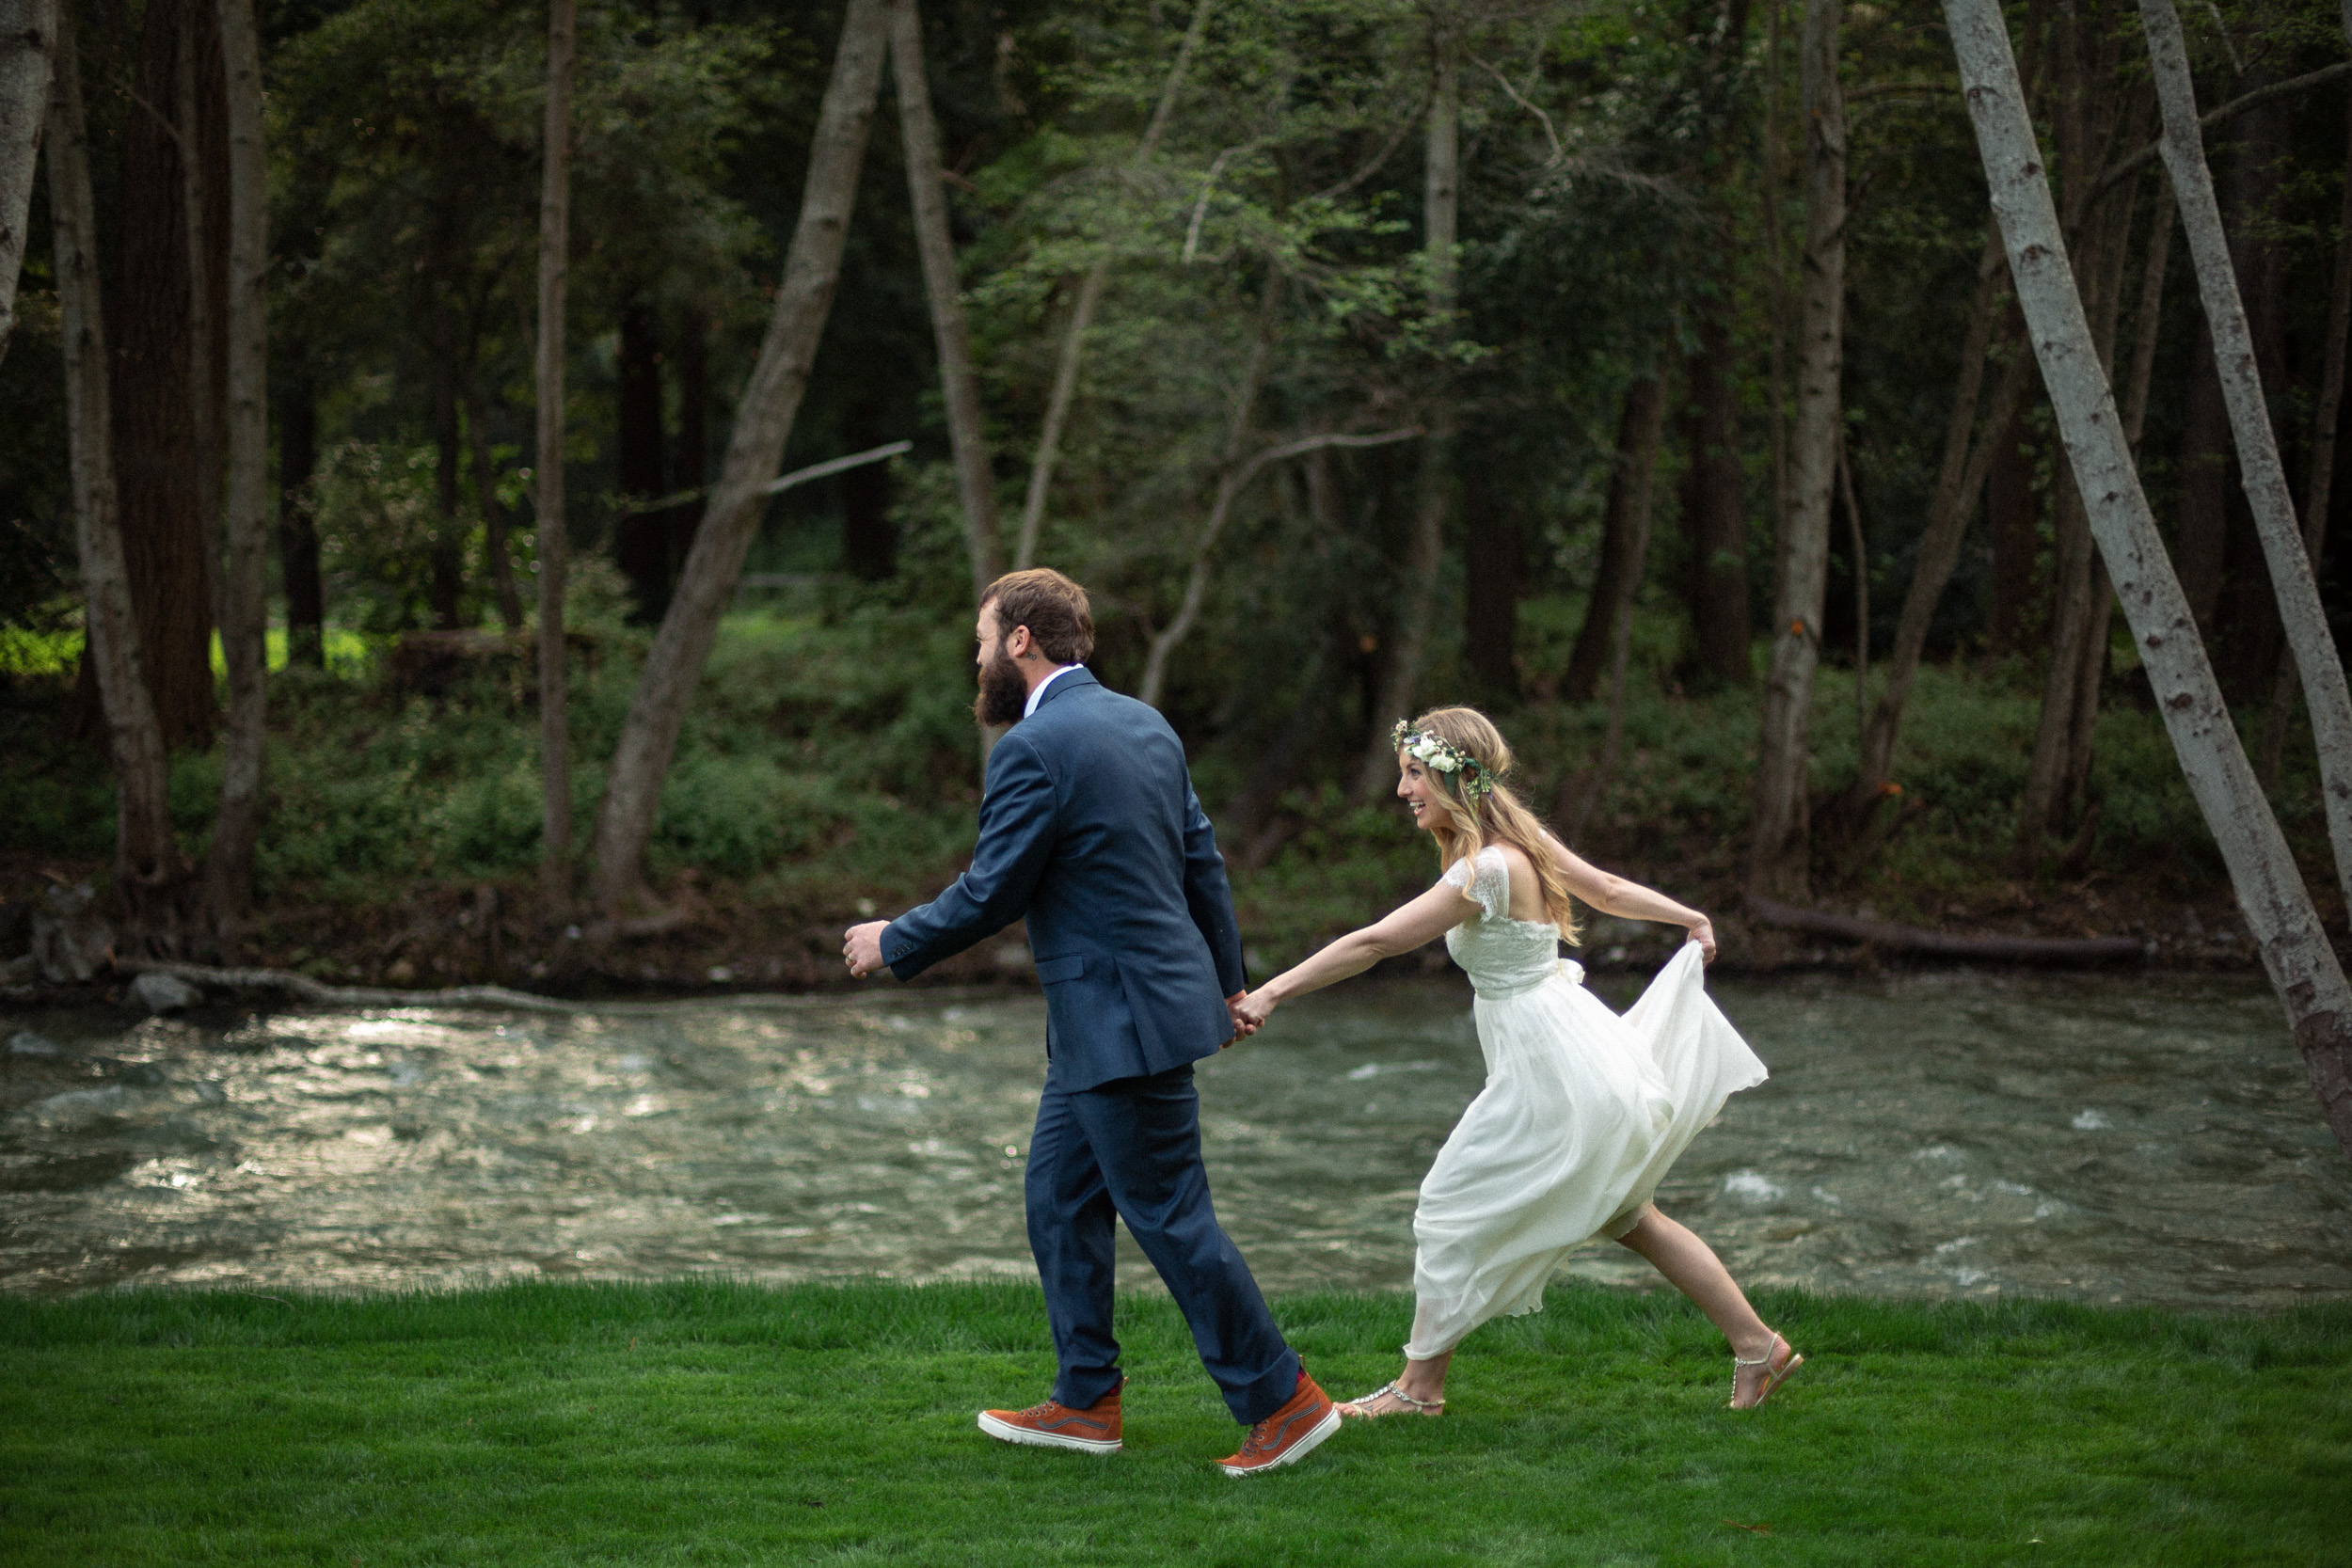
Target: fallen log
(1889, 938)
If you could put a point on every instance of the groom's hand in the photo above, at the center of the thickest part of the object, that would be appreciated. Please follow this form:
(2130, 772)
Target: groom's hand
(860, 947)
(1244, 1024)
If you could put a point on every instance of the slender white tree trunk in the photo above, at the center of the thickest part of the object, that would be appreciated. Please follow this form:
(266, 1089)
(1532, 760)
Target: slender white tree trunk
(976, 485)
(2325, 693)
(1089, 299)
(148, 874)
(245, 518)
(763, 420)
(2277, 907)
(1441, 205)
(28, 42)
(1777, 867)
(555, 238)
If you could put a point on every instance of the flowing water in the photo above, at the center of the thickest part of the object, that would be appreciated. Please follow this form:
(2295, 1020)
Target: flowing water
(2118, 1138)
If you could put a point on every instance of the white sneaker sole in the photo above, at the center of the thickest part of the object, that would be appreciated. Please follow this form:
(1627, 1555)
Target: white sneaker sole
(1005, 1432)
(1296, 1452)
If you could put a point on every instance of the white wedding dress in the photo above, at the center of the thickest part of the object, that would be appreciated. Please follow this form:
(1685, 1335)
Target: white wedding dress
(1582, 1114)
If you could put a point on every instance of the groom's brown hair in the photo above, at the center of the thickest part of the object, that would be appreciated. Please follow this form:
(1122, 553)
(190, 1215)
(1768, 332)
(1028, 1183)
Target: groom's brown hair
(1055, 609)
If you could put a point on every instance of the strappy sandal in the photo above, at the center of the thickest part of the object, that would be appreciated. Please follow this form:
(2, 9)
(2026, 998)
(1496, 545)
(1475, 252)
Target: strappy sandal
(1419, 1407)
(1773, 1376)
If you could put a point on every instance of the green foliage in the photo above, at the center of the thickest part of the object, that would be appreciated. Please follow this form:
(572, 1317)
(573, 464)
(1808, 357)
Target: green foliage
(711, 1419)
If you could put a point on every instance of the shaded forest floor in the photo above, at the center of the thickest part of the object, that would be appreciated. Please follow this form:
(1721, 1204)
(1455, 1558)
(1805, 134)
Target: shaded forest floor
(828, 773)
(702, 1420)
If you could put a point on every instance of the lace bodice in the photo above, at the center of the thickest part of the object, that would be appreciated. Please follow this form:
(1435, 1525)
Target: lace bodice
(1503, 957)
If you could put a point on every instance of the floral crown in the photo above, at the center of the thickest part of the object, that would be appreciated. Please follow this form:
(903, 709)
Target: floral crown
(1443, 755)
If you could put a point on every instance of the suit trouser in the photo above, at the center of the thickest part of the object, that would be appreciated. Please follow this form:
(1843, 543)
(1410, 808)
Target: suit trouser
(1130, 1147)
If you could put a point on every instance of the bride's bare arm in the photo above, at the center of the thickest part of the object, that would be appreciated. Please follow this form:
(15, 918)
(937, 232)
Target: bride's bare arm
(1613, 894)
(1425, 919)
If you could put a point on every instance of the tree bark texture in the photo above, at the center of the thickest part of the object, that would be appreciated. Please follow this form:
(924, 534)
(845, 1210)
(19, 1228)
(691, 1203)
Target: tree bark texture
(1624, 539)
(763, 422)
(555, 238)
(1959, 480)
(1778, 865)
(1424, 562)
(206, 326)
(1714, 501)
(147, 333)
(150, 877)
(960, 387)
(1091, 299)
(2325, 693)
(298, 524)
(2277, 907)
(28, 42)
(2321, 476)
(244, 513)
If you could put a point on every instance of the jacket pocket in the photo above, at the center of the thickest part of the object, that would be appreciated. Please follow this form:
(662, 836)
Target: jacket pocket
(1054, 971)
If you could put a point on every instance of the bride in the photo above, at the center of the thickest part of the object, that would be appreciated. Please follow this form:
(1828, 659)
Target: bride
(1583, 1112)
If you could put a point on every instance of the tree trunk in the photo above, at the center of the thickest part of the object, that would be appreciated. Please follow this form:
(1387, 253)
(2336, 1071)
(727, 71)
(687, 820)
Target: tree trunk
(298, 524)
(1441, 195)
(2322, 672)
(245, 569)
(1494, 555)
(207, 381)
(149, 380)
(150, 877)
(641, 542)
(1090, 298)
(1622, 563)
(496, 525)
(2013, 518)
(554, 545)
(2320, 479)
(1778, 865)
(690, 461)
(28, 42)
(446, 558)
(1714, 501)
(763, 422)
(2277, 907)
(960, 387)
(1642, 470)
(1957, 482)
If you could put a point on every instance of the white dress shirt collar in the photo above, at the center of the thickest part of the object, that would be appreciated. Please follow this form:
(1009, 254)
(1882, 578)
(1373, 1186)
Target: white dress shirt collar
(1036, 693)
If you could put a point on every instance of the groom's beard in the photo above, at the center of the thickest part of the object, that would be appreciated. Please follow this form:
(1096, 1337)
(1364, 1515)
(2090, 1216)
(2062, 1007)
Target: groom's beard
(1004, 691)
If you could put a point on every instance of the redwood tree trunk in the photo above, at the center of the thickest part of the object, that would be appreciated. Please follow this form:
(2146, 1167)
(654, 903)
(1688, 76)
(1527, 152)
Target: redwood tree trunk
(2325, 692)
(150, 875)
(763, 420)
(1777, 867)
(2277, 907)
(28, 42)
(959, 383)
(245, 515)
(555, 747)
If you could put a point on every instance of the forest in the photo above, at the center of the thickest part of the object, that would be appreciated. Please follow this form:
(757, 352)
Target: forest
(497, 493)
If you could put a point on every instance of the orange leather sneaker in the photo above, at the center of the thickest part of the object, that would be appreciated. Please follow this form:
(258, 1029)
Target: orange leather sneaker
(1093, 1430)
(1288, 1435)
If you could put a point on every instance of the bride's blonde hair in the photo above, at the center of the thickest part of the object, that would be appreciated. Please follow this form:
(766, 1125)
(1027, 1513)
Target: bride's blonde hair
(1475, 818)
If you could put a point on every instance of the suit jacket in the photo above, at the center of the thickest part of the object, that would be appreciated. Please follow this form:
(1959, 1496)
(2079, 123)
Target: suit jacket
(1090, 829)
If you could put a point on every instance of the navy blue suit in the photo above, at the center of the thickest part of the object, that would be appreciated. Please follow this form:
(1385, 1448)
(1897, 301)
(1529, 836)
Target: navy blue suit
(1090, 828)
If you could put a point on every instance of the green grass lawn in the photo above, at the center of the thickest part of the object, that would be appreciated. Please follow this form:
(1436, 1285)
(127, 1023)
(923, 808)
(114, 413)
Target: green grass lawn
(719, 1422)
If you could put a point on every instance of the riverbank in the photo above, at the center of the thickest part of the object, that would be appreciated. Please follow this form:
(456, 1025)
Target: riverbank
(827, 774)
(711, 1421)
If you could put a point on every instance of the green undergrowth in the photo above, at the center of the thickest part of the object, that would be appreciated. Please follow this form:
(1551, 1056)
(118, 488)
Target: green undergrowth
(705, 1421)
(829, 757)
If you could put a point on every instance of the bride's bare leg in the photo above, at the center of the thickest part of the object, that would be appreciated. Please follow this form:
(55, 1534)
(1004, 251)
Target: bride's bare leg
(1423, 1382)
(1692, 1267)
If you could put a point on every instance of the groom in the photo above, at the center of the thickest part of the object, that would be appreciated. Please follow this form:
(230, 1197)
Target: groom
(1089, 828)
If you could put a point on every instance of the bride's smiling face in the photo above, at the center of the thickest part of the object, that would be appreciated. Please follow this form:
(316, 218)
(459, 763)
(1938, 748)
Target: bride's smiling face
(1417, 789)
